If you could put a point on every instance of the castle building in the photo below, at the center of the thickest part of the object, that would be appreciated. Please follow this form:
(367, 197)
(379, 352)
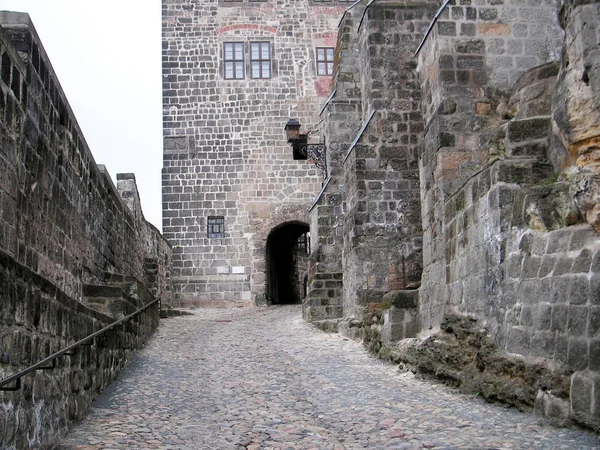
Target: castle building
(235, 196)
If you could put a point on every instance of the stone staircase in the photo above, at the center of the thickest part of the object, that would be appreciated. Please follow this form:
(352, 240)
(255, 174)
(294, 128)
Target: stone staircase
(119, 296)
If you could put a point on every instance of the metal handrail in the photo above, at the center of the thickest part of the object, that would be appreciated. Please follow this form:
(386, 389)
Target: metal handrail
(70, 350)
(431, 26)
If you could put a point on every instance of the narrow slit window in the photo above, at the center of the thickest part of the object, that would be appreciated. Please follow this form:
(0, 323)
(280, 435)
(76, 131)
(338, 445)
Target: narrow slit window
(325, 60)
(234, 60)
(260, 59)
(216, 227)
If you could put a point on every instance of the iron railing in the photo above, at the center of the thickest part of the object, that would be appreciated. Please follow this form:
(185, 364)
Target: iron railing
(49, 363)
(435, 18)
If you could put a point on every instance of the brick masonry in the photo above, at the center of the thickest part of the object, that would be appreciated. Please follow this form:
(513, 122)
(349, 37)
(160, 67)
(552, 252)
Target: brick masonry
(225, 151)
(67, 234)
(506, 172)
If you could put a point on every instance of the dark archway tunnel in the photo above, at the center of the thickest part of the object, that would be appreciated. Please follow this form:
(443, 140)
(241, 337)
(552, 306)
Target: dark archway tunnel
(287, 262)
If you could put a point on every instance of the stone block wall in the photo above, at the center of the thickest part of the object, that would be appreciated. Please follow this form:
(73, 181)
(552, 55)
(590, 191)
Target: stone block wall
(340, 122)
(36, 320)
(225, 150)
(504, 242)
(64, 227)
(382, 249)
(61, 214)
(468, 66)
(504, 132)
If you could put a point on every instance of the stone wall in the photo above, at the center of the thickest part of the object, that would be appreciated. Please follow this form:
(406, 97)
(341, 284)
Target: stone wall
(468, 64)
(340, 123)
(504, 241)
(378, 180)
(504, 130)
(225, 149)
(75, 251)
(38, 319)
(61, 214)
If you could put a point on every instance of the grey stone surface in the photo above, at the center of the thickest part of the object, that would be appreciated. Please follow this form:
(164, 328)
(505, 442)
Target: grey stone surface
(225, 151)
(63, 226)
(264, 379)
(60, 213)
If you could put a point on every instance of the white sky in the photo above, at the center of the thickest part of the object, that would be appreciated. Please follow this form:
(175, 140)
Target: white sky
(107, 55)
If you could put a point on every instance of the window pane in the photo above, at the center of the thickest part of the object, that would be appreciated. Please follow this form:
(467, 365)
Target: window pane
(265, 51)
(255, 69)
(255, 51)
(330, 54)
(239, 71)
(320, 54)
(228, 51)
(228, 70)
(266, 69)
(329, 68)
(321, 68)
(239, 51)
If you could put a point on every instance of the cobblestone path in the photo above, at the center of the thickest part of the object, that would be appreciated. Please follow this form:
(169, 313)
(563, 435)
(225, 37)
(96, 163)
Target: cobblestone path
(264, 379)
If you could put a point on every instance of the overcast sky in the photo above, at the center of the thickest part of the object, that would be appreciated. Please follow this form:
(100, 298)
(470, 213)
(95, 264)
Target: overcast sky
(107, 55)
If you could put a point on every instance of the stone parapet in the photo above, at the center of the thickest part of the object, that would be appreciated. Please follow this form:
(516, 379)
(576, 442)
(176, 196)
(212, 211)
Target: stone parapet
(61, 214)
(38, 319)
(65, 233)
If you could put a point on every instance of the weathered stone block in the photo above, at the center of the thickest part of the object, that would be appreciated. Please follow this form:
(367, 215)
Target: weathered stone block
(578, 353)
(402, 299)
(529, 129)
(552, 408)
(585, 388)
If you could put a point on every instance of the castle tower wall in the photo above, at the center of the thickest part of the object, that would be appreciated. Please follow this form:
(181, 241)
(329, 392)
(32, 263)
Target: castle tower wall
(225, 154)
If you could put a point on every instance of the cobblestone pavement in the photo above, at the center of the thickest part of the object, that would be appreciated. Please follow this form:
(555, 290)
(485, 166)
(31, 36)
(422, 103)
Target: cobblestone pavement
(264, 379)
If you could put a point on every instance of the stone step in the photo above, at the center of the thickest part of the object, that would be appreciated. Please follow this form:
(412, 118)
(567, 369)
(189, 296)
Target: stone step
(521, 170)
(116, 278)
(102, 290)
(112, 307)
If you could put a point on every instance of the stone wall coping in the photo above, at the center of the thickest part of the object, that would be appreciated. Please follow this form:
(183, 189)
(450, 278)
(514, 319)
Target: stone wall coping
(348, 9)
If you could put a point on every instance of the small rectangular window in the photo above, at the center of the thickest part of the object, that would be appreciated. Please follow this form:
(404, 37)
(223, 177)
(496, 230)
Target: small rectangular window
(303, 243)
(325, 60)
(234, 60)
(216, 227)
(260, 59)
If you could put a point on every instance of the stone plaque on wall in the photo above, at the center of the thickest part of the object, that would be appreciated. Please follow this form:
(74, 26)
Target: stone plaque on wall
(179, 144)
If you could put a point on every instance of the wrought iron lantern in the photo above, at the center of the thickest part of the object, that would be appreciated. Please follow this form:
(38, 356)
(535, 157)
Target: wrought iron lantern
(292, 131)
(302, 149)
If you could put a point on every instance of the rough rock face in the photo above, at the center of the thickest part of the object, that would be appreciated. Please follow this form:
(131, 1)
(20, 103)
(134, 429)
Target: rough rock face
(463, 355)
(577, 115)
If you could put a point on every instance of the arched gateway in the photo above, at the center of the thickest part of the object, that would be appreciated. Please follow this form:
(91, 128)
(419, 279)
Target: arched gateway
(287, 263)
